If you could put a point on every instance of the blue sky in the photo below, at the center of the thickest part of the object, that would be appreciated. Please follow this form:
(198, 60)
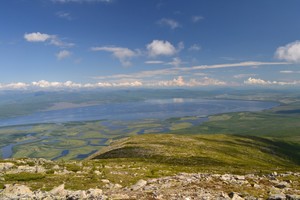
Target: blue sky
(149, 43)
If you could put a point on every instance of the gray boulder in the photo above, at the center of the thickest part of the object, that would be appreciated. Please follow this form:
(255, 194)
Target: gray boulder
(141, 183)
(16, 191)
(277, 197)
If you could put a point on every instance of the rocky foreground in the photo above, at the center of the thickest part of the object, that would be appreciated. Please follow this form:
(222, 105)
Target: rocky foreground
(186, 186)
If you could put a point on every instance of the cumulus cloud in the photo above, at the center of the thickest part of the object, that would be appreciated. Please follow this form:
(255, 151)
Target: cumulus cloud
(122, 54)
(37, 37)
(48, 85)
(160, 48)
(175, 82)
(197, 18)
(180, 82)
(17, 85)
(63, 54)
(43, 37)
(195, 47)
(289, 52)
(258, 81)
(169, 23)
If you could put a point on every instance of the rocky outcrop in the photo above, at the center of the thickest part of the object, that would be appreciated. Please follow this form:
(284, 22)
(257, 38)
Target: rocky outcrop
(183, 186)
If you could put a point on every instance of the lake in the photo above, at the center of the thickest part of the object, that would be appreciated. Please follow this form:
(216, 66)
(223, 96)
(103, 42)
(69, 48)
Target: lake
(149, 109)
(115, 120)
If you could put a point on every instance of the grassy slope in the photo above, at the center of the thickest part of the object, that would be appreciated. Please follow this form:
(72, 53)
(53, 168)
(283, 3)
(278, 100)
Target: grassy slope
(233, 142)
(205, 153)
(128, 160)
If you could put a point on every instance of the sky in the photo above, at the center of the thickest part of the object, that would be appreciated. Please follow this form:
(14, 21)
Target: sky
(53, 44)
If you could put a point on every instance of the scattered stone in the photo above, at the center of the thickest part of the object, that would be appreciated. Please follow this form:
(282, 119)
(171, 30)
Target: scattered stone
(277, 197)
(274, 174)
(119, 196)
(139, 184)
(56, 167)
(235, 196)
(183, 186)
(226, 177)
(292, 197)
(28, 169)
(105, 181)
(77, 195)
(282, 185)
(6, 166)
(117, 186)
(255, 185)
(239, 177)
(94, 193)
(59, 190)
(14, 191)
(97, 172)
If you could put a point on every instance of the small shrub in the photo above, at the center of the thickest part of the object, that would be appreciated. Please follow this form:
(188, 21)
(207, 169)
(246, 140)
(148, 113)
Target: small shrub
(31, 163)
(23, 176)
(51, 171)
(73, 168)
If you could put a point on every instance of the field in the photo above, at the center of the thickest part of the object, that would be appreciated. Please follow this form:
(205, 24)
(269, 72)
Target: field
(78, 138)
(281, 122)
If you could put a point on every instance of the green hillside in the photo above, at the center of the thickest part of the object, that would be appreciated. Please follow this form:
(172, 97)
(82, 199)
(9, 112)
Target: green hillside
(211, 153)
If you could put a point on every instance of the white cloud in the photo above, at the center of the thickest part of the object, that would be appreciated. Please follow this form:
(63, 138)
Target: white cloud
(290, 72)
(47, 84)
(154, 62)
(123, 54)
(254, 81)
(64, 15)
(57, 42)
(63, 54)
(176, 62)
(289, 52)
(37, 37)
(257, 81)
(195, 47)
(240, 64)
(180, 82)
(43, 37)
(180, 70)
(160, 48)
(17, 85)
(238, 76)
(197, 18)
(180, 46)
(229, 58)
(169, 22)
(175, 82)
